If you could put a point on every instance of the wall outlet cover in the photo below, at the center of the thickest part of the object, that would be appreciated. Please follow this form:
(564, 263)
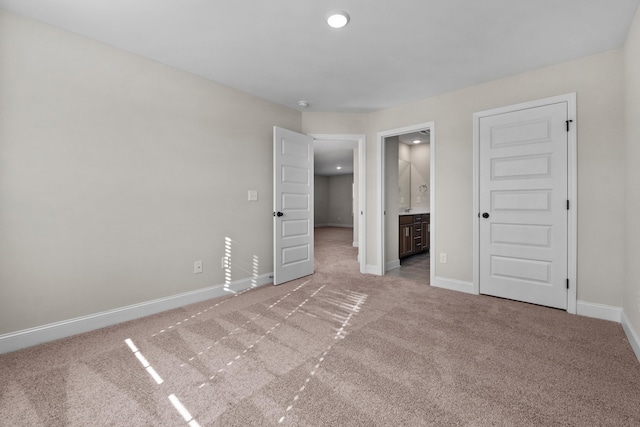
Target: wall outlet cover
(197, 267)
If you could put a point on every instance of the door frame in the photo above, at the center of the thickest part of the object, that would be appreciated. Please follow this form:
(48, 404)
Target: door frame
(361, 139)
(381, 136)
(572, 190)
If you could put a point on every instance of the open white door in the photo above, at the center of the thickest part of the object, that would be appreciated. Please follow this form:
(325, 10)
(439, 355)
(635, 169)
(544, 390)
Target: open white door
(523, 203)
(292, 205)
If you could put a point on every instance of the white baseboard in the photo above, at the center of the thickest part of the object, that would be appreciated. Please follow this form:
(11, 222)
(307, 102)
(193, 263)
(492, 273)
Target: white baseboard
(453, 284)
(320, 225)
(599, 311)
(340, 225)
(355, 244)
(614, 314)
(53, 331)
(632, 334)
(372, 269)
(392, 265)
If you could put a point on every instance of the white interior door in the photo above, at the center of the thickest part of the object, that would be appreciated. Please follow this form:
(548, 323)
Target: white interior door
(523, 201)
(292, 205)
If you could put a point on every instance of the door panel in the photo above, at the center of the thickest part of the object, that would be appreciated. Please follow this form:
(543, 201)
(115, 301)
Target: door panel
(293, 205)
(521, 132)
(521, 235)
(520, 201)
(521, 167)
(295, 201)
(523, 193)
(295, 255)
(526, 270)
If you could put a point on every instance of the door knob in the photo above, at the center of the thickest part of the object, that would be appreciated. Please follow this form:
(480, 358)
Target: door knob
(485, 215)
(280, 214)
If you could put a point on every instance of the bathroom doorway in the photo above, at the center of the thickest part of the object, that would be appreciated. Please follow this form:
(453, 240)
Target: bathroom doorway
(406, 233)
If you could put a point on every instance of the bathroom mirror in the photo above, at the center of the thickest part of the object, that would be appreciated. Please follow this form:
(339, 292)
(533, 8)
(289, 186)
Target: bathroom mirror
(404, 184)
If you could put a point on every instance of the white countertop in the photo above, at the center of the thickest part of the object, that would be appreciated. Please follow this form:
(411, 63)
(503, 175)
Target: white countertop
(413, 211)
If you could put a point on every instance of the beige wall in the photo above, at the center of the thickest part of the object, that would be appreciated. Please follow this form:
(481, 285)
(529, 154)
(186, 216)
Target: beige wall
(334, 123)
(632, 90)
(333, 200)
(598, 82)
(341, 200)
(320, 200)
(117, 173)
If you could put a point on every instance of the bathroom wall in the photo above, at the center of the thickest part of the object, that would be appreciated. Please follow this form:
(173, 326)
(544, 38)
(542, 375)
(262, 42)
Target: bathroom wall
(420, 170)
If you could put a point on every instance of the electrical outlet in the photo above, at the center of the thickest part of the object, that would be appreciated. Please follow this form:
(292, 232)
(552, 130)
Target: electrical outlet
(443, 258)
(197, 267)
(418, 199)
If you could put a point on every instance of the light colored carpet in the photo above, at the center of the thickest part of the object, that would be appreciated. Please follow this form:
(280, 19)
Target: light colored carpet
(333, 349)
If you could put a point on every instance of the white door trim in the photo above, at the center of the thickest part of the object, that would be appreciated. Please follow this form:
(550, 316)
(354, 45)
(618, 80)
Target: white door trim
(379, 266)
(362, 188)
(572, 174)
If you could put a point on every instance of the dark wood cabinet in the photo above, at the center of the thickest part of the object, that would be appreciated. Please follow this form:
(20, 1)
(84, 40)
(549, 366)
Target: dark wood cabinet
(406, 236)
(426, 232)
(417, 233)
(414, 234)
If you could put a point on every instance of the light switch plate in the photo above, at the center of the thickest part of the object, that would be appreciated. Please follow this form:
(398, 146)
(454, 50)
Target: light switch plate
(253, 195)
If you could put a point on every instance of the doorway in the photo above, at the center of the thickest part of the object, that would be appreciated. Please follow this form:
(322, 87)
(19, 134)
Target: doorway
(388, 213)
(356, 143)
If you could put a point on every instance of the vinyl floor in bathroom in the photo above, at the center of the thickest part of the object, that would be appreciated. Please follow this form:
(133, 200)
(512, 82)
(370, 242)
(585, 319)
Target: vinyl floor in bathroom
(415, 267)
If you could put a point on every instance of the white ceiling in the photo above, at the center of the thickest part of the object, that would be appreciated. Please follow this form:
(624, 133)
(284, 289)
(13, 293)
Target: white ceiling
(408, 138)
(390, 53)
(328, 155)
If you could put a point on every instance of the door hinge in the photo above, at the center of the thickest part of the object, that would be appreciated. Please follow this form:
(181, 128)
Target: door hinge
(567, 283)
(568, 121)
(568, 205)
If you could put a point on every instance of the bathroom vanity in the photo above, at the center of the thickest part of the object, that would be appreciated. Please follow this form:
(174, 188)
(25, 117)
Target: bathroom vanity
(414, 234)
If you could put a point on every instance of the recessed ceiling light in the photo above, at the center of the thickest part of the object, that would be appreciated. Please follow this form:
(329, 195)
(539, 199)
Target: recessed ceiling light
(303, 104)
(339, 167)
(337, 19)
(417, 141)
